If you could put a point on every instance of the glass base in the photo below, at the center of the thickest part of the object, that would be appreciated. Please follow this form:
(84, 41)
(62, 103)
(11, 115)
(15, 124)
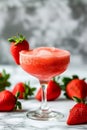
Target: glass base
(44, 115)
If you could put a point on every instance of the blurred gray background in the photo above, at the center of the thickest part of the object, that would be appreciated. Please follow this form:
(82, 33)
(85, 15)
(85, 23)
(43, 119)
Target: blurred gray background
(59, 23)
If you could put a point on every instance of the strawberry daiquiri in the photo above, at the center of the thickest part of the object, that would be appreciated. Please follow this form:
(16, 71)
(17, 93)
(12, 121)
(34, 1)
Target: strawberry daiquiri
(44, 63)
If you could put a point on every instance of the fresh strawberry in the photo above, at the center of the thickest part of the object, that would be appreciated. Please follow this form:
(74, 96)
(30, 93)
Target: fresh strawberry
(8, 101)
(75, 87)
(53, 91)
(78, 114)
(4, 80)
(18, 44)
(24, 89)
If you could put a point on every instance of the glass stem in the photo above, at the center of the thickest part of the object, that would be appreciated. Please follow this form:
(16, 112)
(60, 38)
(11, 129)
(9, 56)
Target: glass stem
(44, 106)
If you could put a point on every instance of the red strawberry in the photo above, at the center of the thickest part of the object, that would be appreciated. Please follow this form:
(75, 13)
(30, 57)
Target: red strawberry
(53, 91)
(8, 101)
(75, 87)
(78, 114)
(18, 44)
(24, 89)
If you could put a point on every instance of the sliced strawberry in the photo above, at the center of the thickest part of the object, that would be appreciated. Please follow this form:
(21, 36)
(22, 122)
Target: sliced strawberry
(18, 44)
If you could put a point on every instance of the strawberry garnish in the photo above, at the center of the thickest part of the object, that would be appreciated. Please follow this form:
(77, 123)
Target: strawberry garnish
(24, 89)
(18, 44)
(53, 91)
(8, 102)
(74, 87)
(78, 114)
(4, 80)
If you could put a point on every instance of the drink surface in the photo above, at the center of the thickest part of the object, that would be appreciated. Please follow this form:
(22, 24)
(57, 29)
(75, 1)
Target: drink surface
(44, 62)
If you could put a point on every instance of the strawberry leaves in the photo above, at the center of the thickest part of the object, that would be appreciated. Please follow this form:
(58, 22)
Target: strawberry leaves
(79, 100)
(4, 80)
(17, 39)
(29, 91)
(17, 104)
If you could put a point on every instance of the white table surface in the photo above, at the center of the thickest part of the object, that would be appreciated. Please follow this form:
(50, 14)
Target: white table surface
(18, 121)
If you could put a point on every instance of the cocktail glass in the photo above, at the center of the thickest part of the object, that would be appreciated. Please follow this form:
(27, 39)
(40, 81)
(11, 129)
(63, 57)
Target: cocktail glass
(44, 63)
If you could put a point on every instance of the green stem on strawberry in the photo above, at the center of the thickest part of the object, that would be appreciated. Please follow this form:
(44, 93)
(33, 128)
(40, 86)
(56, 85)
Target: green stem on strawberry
(18, 104)
(56, 79)
(79, 100)
(29, 91)
(19, 39)
(4, 77)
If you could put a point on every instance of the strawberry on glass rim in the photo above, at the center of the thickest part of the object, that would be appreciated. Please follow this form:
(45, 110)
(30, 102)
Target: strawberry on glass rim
(18, 43)
(44, 63)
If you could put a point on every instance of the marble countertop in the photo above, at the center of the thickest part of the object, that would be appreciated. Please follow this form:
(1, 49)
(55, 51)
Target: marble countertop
(18, 121)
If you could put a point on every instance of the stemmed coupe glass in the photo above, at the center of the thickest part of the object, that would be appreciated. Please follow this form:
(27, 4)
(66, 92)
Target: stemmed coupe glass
(44, 63)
